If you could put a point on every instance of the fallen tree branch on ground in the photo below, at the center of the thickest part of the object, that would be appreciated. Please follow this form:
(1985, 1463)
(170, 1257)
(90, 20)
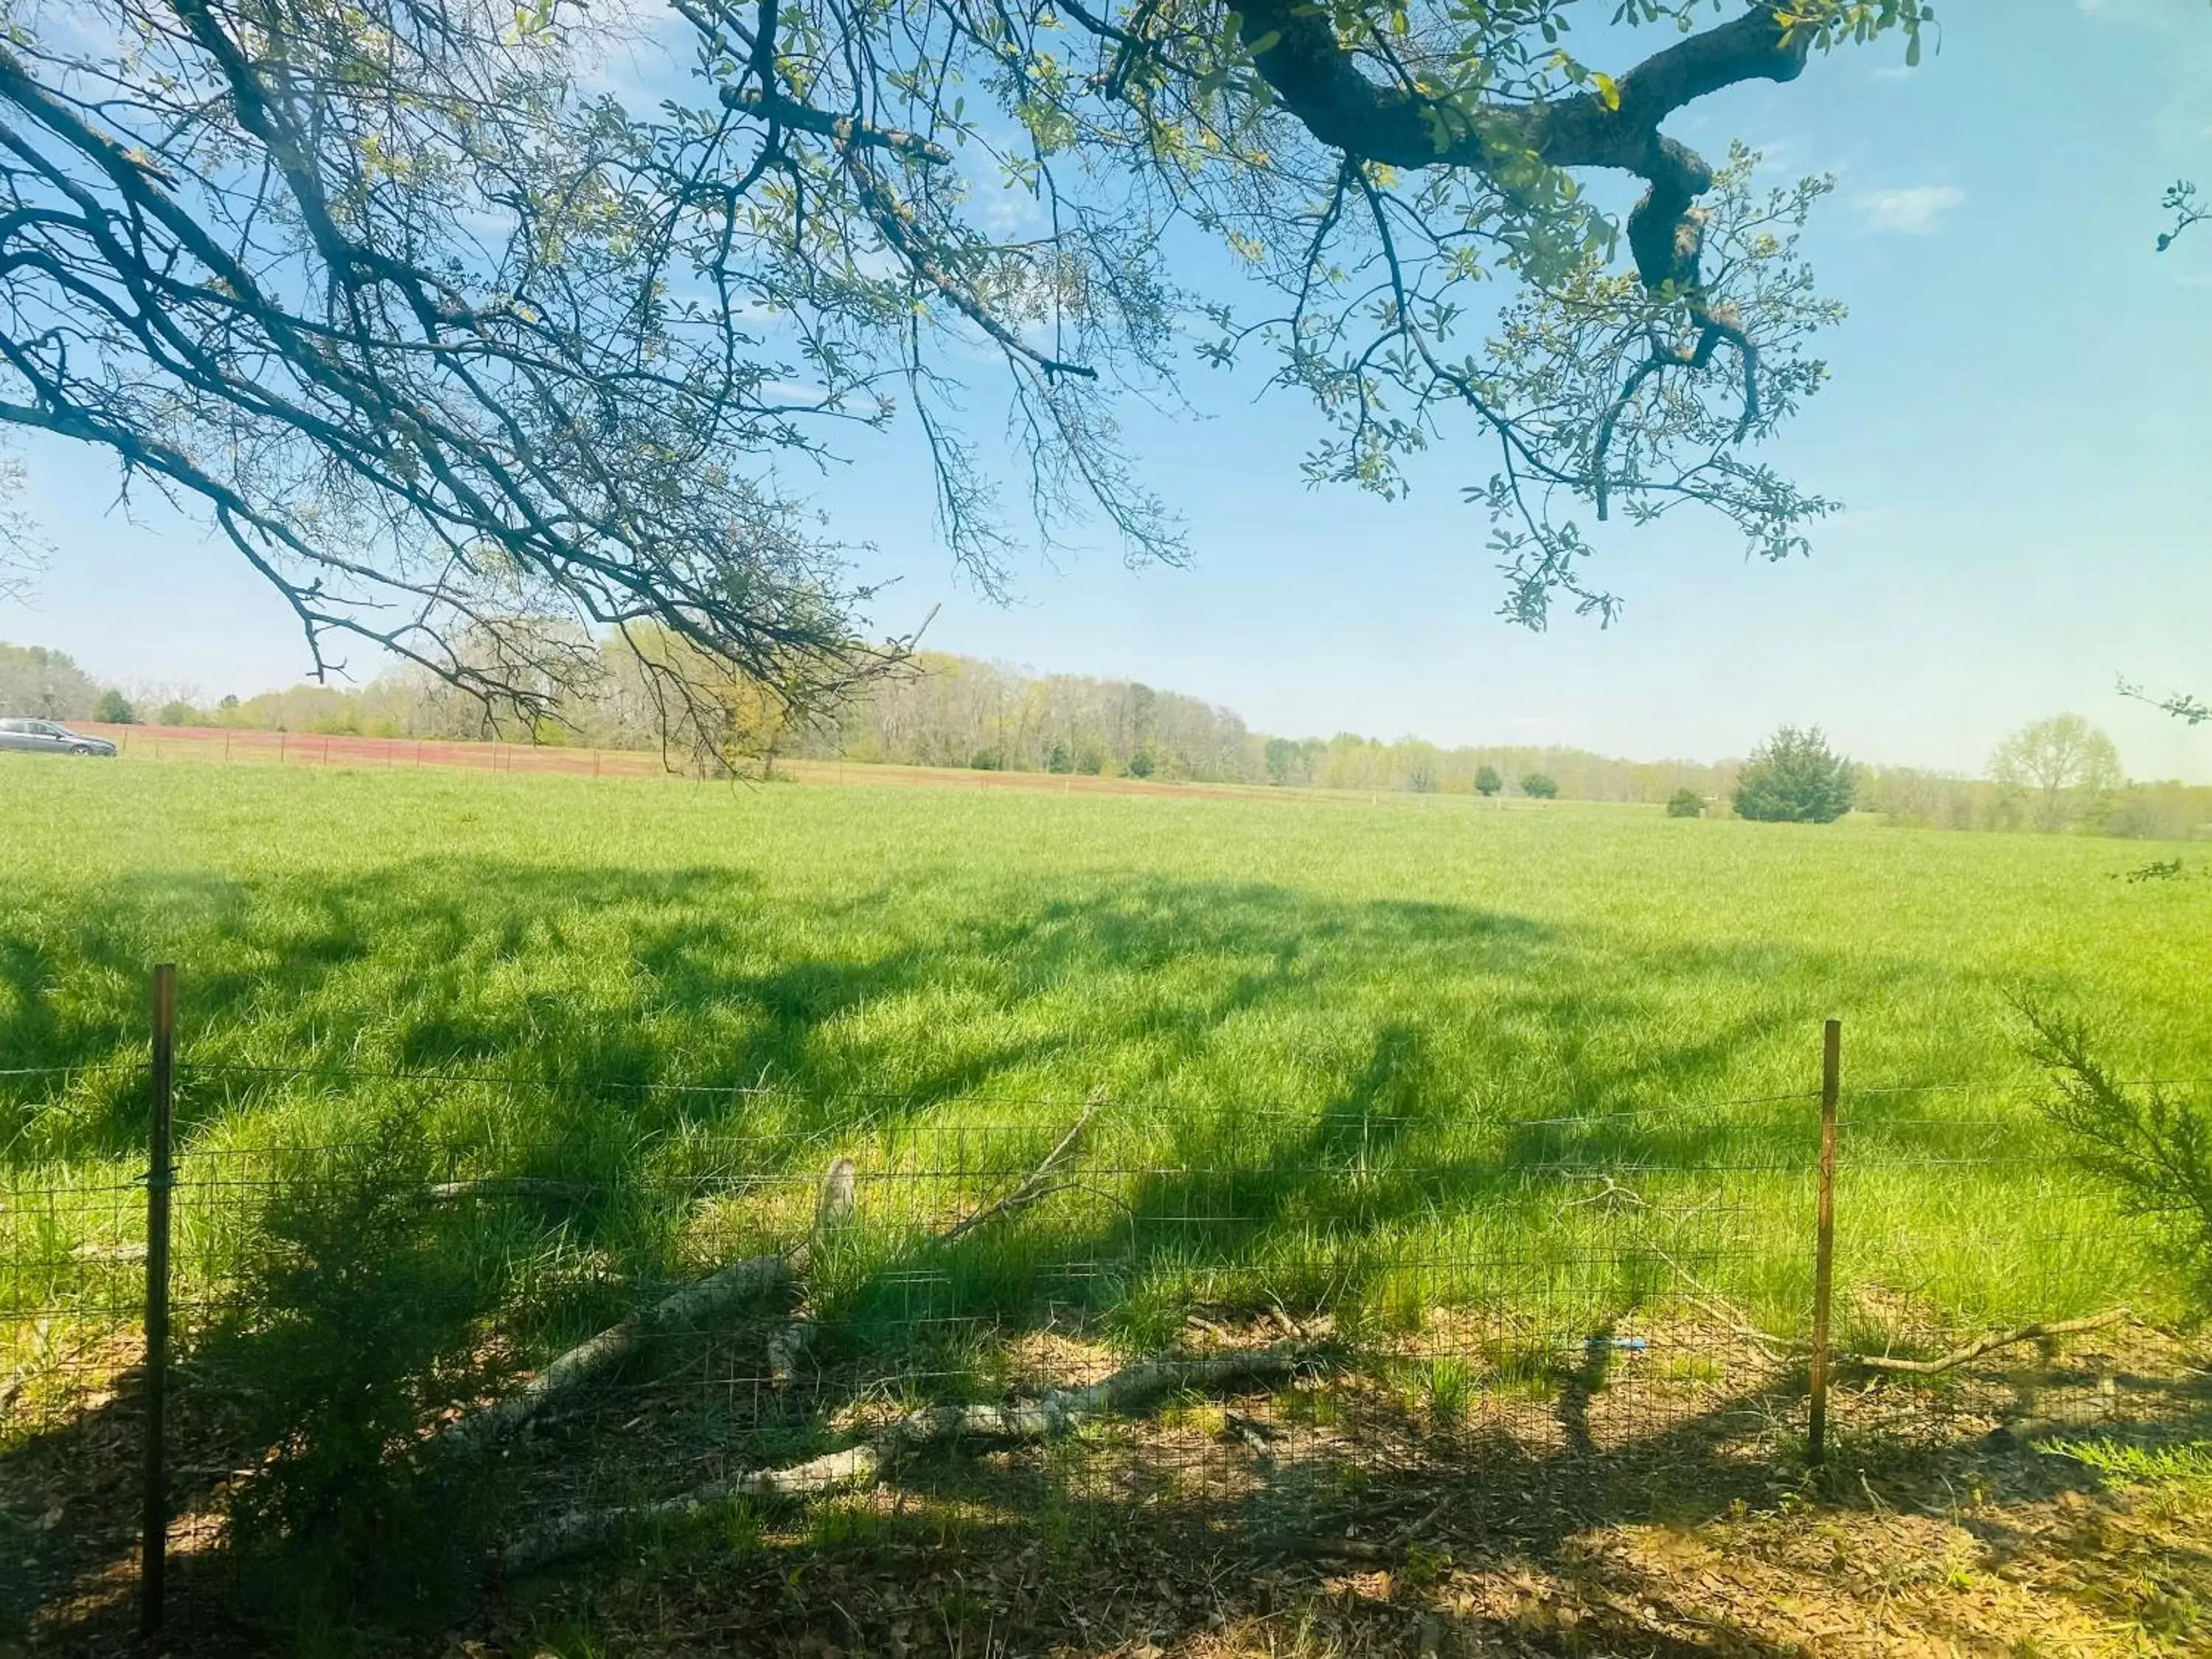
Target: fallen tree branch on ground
(1974, 1351)
(1789, 1348)
(1055, 1412)
(741, 1281)
(1709, 1302)
(593, 1358)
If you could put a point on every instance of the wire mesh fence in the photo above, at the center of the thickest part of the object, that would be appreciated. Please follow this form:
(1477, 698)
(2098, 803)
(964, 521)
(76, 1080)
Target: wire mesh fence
(501, 1314)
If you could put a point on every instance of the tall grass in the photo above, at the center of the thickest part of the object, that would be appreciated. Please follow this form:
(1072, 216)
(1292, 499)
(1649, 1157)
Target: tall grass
(1411, 1033)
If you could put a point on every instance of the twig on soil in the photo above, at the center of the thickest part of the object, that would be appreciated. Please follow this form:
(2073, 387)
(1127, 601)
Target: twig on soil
(1974, 1351)
(1710, 1304)
(1058, 1410)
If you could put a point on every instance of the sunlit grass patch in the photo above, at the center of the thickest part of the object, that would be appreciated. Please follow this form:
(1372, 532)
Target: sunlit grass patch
(1359, 1066)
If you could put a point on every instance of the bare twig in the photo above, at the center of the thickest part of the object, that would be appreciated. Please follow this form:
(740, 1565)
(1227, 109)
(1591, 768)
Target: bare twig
(1710, 1304)
(1974, 1351)
(444, 1191)
(1037, 1184)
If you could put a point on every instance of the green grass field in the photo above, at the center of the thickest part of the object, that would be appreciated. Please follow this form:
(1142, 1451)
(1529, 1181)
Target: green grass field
(1418, 1026)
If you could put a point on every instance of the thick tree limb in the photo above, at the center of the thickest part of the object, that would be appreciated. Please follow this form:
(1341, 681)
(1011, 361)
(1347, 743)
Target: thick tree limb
(1295, 47)
(447, 1192)
(1055, 1412)
(1974, 1351)
(841, 130)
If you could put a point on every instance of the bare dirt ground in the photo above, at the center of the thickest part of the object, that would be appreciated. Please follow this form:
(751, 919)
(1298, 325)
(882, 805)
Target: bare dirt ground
(1635, 1512)
(1631, 1506)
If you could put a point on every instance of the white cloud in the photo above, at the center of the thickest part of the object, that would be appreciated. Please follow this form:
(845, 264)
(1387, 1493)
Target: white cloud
(1918, 211)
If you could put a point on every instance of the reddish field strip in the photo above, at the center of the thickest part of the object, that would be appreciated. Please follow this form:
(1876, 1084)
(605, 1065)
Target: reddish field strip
(218, 744)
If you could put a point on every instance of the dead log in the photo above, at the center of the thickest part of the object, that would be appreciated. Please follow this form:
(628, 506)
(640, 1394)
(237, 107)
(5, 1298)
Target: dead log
(755, 1277)
(1974, 1351)
(1058, 1410)
(596, 1357)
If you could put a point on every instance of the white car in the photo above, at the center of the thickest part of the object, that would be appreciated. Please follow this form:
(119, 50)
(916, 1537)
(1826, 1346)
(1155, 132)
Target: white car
(50, 738)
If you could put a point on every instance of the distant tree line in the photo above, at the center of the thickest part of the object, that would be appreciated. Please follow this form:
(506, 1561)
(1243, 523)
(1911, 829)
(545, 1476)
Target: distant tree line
(2057, 775)
(48, 685)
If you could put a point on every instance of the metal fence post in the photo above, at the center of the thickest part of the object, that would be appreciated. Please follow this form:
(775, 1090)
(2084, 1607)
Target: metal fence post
(1824, 1250)
(160, 1175)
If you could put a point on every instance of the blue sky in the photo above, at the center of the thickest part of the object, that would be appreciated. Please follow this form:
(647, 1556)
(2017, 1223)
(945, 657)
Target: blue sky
(2018, 423)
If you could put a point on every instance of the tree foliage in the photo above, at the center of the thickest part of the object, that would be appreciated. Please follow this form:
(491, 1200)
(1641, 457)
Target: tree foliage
(451, 339)
(1685, 804)
(1794, 777)
(2154, 1149)
(45, 683)
(2063, 767)
(1487, 781)
(2188, 208)
(1539, 786)
(2188, 709)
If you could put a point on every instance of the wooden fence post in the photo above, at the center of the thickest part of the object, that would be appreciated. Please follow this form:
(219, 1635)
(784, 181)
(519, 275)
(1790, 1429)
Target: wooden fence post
(160, 1176)
(1823, 1249)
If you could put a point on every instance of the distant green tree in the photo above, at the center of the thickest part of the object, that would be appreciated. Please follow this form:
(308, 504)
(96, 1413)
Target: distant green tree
(1540, 785)
(1058, 759)
(1487, 781)
(2064, 766)
(1282, 758)
(1140, 763)
(176, 712)
(115, 709)
(1685, 804)
(2154, 1148)
(987, 760)
(44, 683)
(1794, 777)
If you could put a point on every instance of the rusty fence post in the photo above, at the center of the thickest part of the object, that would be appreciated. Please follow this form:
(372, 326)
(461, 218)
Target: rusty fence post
(160, 1177)
(1824, 1247)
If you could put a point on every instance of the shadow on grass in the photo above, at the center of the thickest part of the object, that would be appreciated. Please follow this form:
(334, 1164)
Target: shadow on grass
(569, 1026)
(609, 992)
(619, 1013)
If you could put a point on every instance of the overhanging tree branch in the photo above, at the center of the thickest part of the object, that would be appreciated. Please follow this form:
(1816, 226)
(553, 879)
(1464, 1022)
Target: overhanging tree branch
(1295, 47)
(468, 347)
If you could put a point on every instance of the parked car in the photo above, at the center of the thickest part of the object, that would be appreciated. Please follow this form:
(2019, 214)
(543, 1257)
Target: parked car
(51, 738)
